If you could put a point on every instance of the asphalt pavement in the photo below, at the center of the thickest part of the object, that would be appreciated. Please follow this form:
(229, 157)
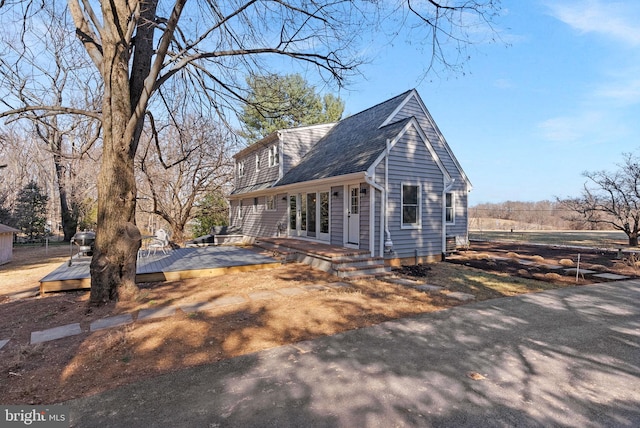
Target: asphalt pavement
(567, 357)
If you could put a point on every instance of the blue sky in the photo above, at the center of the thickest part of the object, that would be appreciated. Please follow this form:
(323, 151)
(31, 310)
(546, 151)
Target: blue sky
(527, 119)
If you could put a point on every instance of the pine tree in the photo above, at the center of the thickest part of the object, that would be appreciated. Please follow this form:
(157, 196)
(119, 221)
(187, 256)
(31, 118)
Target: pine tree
(31, 210)
(281, 102)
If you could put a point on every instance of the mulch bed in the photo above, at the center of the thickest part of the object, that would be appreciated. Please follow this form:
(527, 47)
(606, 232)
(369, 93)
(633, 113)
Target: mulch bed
(506, 258)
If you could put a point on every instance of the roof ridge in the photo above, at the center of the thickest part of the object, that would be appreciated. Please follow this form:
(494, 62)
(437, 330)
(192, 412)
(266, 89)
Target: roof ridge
(404, 94)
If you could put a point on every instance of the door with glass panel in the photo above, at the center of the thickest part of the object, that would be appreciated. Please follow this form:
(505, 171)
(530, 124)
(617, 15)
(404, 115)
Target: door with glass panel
(309, 215)
(353, 215)
(323, 216)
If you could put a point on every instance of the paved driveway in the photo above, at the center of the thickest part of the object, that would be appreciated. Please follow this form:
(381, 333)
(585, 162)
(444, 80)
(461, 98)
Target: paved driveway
(567, 357)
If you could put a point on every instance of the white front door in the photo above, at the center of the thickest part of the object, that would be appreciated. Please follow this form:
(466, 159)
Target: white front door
(353, 215)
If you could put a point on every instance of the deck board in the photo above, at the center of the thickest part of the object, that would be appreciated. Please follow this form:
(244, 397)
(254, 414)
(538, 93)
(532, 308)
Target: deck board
(181, 263)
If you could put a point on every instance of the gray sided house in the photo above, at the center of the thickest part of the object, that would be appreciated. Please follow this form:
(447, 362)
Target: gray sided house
(383, 180)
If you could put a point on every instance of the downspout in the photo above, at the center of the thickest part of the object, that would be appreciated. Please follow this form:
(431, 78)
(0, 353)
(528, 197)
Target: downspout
(388, 243)
(376, 186)
(447, 189)
(386, 246)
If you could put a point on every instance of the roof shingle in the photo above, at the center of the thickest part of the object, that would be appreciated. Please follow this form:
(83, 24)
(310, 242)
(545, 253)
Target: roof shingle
(352, 145)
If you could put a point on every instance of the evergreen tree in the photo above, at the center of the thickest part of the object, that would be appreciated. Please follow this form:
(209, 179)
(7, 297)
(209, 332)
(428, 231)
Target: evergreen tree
(280, 102)
(30, 213)
(212, 211)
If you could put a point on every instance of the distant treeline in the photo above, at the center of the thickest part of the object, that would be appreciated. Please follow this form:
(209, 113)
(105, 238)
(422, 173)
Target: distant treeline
(542, 215)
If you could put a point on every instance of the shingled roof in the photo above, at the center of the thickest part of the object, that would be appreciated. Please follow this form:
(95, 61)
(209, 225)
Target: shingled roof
(7, 229)
(352, 145)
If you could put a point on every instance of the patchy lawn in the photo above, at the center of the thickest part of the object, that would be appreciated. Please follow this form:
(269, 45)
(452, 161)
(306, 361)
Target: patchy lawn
(91, 362)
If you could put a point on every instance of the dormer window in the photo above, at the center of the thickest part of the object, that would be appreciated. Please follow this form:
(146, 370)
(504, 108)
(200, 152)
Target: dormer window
(274, 158)
(241, 169)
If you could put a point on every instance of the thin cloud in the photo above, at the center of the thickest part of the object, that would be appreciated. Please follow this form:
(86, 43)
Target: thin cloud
(504, 84)
(586, 127)
(624, 92)
(617, 20)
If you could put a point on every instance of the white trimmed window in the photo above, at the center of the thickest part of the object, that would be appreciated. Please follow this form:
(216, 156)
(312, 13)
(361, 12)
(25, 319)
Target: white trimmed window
(274, 157)
(240, 209)
(449, 208)
(270, 202)
(257, 163)
(241, 169)
(411, 210)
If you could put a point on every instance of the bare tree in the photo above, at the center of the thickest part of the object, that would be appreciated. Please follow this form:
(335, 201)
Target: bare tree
(612, 198)
(56, 73)
(180, 165)
(139, 46)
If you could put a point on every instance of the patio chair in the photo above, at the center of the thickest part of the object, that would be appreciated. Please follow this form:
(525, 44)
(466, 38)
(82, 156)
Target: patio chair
(159, 242)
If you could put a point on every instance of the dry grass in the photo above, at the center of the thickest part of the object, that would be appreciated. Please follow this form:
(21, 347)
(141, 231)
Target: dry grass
(92, 362)
(479, 256)
(484, 285)
(566, 262)
(29, 263)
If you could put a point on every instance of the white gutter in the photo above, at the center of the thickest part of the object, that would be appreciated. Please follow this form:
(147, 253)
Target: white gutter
(289, 188)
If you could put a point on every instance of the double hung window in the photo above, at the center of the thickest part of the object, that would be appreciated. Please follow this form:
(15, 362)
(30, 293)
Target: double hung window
(411, 212)
(274, 157)
(449, 208)
(270, 202)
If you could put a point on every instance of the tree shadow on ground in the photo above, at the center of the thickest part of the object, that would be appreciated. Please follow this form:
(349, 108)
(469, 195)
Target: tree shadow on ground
(567, 357)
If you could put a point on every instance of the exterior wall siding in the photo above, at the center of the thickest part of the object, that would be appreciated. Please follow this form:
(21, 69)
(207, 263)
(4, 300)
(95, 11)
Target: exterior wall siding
(252, 176)
(337, 215)
(6, 247)
(256, 220)
(413, 108)
(460, 226)
(365, 209)
(377, 206)
(298, 142)
(411, 163)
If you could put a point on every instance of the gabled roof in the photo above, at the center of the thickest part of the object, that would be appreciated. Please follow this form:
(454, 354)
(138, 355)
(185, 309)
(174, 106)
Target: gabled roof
(7, 229)
(427, 114)
(351, 146)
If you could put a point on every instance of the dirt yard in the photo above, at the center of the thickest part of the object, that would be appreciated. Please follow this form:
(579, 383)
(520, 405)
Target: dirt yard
(541, 262)
(88, 363)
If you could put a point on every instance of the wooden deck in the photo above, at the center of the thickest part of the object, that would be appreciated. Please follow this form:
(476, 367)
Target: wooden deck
(313, 247)
(177, 264)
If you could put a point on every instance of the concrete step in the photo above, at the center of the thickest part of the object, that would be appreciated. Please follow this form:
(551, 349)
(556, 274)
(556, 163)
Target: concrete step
(357, 261)
(358, 265)
(354, 277)
(358, 271)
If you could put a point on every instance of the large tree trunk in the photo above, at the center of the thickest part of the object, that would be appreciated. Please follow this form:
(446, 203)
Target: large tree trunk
(633, 239)
(69, 218)
(113, 266)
